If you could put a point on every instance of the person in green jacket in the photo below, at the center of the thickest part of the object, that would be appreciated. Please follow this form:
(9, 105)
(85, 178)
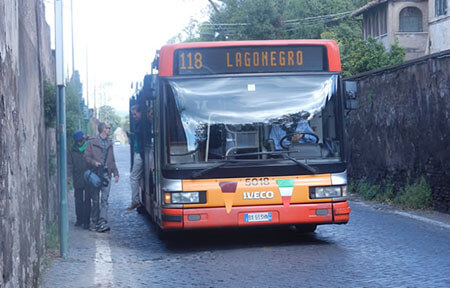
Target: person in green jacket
(76, 167)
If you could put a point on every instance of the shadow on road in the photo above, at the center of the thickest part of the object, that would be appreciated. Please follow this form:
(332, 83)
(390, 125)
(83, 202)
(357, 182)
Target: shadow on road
(234, 238)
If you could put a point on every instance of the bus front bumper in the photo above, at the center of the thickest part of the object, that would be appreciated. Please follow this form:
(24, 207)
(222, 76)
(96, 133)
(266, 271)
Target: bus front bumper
(217, 217)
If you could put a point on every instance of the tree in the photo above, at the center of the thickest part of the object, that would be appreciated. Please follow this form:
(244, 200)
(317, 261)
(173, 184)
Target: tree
(75, 118)
(125, 123)
(361, 56)
(255, 19)
(298, 19)
(108, 114)
(283, 19)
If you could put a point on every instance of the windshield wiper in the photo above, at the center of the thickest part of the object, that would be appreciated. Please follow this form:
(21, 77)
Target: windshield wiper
(197, 174)
(301, 164)
(284, 155)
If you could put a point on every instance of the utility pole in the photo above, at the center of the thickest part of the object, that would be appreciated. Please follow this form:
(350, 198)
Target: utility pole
(87, 78)
(95, 101)
(61, 129)
(71, 24)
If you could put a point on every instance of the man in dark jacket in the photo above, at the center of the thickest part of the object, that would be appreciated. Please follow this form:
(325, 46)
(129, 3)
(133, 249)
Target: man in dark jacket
(137, 139)
(99, 155)
(76, 167)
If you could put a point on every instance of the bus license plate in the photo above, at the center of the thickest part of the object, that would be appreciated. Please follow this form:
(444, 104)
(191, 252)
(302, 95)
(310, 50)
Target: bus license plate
(258, 217)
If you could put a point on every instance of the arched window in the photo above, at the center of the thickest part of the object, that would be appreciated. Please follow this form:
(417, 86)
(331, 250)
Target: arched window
(410, 20)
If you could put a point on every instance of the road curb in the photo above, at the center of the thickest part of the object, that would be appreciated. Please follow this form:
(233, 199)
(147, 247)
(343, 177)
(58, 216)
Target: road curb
(428, 216)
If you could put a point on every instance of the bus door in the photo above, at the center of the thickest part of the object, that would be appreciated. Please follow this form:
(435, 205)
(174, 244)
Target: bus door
(149, 163)
(151, 167)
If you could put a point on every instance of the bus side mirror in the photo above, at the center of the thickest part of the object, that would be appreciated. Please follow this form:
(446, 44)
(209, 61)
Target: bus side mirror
(351, 95)
(149, 88)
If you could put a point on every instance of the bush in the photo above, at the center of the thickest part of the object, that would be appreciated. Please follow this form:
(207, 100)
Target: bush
(366, 190)
(49, 104)
(352, 186)
(359, 56)
(52, 165)
(386, 195)
(412, 196)
(51, 243)
(52, 236)
(415, 196)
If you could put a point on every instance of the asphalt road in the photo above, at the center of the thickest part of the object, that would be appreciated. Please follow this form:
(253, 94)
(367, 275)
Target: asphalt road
(379, 247)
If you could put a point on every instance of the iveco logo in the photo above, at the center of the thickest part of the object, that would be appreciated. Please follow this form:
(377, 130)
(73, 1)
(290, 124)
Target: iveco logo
(258, 195)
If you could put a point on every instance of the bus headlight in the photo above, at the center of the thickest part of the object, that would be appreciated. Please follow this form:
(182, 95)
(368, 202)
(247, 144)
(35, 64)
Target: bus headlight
(185, 197)
(327, 192)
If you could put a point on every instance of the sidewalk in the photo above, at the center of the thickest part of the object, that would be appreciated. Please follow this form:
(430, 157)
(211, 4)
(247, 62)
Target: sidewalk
(87, 258)
(114, 258)
(97, 259)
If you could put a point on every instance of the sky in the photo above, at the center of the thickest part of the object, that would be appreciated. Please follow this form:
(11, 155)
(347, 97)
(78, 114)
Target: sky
(115, 41)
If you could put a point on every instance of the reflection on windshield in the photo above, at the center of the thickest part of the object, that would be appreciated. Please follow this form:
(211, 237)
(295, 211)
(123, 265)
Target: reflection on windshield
(215, 118)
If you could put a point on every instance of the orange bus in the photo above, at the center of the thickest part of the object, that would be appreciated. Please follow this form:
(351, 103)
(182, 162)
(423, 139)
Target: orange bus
(246, 133)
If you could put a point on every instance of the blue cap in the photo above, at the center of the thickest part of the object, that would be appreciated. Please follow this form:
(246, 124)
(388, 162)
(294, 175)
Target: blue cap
(78, 136)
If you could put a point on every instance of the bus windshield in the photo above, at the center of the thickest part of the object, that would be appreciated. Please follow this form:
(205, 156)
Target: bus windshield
(252, 117)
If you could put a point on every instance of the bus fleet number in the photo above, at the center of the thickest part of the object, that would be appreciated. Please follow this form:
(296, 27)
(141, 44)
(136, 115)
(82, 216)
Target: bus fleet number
(189, 61)
(257, 181)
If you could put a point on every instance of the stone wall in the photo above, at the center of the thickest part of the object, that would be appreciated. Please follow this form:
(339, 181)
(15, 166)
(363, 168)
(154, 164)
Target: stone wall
(402, 128)
(25, 61)
(52, 205)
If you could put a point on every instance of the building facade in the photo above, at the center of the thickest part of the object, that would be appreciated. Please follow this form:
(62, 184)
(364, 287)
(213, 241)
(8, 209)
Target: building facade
(439, 25)
(420, 26)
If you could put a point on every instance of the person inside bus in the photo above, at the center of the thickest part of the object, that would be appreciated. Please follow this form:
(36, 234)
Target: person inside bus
(137, 139)
(216, 142)
(290, 127)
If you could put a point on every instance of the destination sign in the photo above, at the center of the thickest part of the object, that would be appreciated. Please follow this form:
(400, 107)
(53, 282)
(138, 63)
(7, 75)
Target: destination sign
(250, 59)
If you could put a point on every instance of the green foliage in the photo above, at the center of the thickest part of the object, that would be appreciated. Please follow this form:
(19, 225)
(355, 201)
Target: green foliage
(359, 56)
(52, 236)
(412, 196)
(49, 104)
(74, 108)
(108, 114)
(396, 54)
(297, 19)
(51, 243)
(262, 18)
(266, 19)
(415, 196)
(366, 190)
(352, 186)
(52, 164)
(386, 195)
(125, 123)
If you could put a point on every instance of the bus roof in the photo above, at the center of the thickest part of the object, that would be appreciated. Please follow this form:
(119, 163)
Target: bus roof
(167, 52)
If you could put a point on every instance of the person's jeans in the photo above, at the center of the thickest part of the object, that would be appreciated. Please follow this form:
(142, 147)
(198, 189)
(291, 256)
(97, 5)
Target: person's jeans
(135, 178)
(83, 205)
(100, 204)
